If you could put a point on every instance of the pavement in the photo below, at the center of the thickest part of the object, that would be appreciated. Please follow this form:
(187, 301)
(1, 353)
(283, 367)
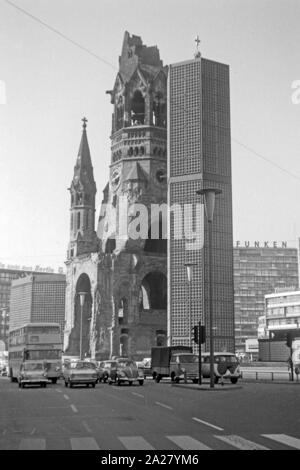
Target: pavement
(149, 417)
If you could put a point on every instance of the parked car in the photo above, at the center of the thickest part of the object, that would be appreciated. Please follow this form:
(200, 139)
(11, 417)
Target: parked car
(80, 373)
(105, 368)
(125, 370)
(32, 372)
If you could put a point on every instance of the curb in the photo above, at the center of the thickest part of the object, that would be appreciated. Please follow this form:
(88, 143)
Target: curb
(276, 382)
(203, 388)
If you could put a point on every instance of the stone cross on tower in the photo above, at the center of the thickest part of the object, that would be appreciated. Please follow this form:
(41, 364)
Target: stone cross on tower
(197, 53)
(84, 120)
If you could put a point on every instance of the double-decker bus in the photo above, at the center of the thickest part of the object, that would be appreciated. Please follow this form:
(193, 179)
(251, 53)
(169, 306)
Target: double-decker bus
(39, 342)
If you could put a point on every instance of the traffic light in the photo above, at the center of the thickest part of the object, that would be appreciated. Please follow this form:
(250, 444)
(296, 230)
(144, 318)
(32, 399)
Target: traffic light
(289, 339)
(202, 334)
(196, 334)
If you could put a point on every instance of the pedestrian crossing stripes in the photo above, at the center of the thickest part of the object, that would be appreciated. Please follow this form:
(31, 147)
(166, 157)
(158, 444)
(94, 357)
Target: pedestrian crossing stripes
(188, 443)
(241, 443)
(84, 443)
(183, 442)
(284, 439)
(135, 443)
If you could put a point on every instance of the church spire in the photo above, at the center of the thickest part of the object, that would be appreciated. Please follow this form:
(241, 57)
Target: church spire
(83, 171)
(83, 192)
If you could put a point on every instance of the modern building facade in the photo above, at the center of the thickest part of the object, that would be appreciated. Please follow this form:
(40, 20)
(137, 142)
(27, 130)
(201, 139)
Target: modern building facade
(124, 277)
(38, 298)
(7, 275)
(259, 270)
(199, 156)
(282, 320)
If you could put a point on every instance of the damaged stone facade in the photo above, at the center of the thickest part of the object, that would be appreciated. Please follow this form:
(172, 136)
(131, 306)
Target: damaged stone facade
(125, 279)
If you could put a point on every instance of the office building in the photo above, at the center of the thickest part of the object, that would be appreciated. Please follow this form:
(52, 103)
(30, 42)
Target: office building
(282, 320)
(7, 275)
(199, 156)
(38, 298)
(259, 270)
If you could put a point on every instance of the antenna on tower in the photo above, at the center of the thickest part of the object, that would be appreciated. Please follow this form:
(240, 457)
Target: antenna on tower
(197, 54)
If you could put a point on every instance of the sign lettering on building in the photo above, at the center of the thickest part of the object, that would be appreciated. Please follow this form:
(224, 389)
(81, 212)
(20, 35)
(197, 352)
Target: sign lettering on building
(257, 244)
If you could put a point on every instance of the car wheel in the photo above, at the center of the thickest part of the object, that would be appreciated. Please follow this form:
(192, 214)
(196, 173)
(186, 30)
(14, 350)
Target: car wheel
(94, 385)
(141, 382)
(66, 384)
(54, 380)
(119, 382)
(87, 385)
(130, 382)
(110, 382)
(71, 385)
(176, 380)
(195, 381)
(157, 378)
(172, 377)
(216, 380)
(234, 380)
(20, 384)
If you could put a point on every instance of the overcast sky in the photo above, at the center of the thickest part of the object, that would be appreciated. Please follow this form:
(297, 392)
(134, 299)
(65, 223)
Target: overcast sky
(51, 84)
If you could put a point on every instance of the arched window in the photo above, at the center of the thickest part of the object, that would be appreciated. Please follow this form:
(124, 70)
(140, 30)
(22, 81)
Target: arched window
(110, 245)
(123, 311)
(137, 111)
(78, 220)
(153, 293)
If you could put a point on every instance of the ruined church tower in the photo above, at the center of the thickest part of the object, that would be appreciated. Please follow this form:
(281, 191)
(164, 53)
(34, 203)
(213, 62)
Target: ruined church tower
(124, 275)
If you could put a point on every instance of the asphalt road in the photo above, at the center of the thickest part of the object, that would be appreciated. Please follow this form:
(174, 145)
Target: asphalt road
(153, 416)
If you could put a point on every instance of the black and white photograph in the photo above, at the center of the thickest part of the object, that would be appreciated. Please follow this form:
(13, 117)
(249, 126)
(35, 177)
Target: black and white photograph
(150, 229)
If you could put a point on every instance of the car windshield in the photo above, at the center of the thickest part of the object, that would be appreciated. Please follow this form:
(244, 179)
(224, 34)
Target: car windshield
(82, 365)
(126, 364)
(225, 358)
(187, 358)
(33, 367)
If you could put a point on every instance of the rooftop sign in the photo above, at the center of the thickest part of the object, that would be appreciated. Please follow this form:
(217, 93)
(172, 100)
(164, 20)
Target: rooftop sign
(256, 244)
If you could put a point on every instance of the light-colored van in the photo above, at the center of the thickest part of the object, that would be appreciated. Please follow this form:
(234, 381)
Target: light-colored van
(226, 366)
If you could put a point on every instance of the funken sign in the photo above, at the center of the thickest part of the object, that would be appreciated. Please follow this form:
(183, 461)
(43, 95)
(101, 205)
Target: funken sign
(257, 244)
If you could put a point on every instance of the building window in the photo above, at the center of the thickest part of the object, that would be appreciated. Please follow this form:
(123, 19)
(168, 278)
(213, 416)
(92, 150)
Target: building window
(137, 112)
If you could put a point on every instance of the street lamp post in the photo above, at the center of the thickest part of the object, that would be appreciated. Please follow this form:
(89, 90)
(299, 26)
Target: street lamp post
(189, 271)
(209, 202)
(82, 299)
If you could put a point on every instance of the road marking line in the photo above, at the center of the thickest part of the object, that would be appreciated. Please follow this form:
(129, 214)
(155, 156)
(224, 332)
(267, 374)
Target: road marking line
(208, 424)
(32, 444)
(66, 397)
(163, 405)
(241, 443)
(188, 443)
(86, 426)
(135, 443)
(74, 408)
(137, 394)
(84, 443)
(33, 431)
(284, 439)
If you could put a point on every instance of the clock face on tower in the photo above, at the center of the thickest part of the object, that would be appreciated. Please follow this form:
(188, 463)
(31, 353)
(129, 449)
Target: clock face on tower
(115, 178)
